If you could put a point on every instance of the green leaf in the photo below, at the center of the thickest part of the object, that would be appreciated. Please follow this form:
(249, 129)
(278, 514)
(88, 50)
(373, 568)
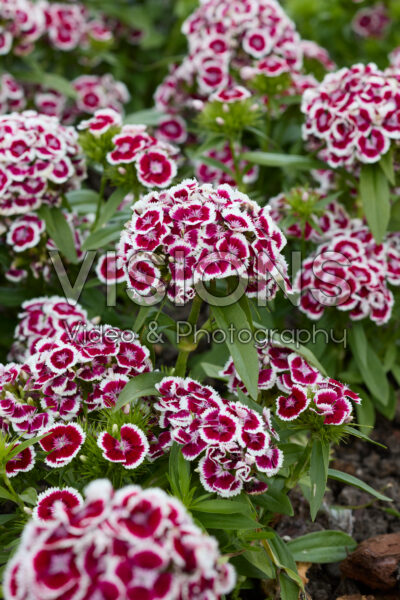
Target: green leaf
(359, 342)
(77, 197)
(59, 231)
(29, 496)
(270, 159)
(386, 164)
(275, 501)
(217, 164)
(5, 518)
(322, 547)
(102, 237)
(143, 313)
(144, 117)
(318, 475)
(255, 564)
(234, 521)
(249, 402)
(244, 354)
(219, 506)
(355, 482)
(5, 494)
(213, 371)
(289, 590)
(283, 559)
(111, 206)
(139, 386)
(179, 473)
(375, 196)
(48, 80)
(372, 369)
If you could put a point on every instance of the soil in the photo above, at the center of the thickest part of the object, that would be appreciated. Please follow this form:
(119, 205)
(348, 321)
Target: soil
(363, 517)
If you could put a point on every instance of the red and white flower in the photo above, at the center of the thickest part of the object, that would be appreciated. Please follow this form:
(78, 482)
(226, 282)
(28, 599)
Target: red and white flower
(132, 543)
(22, 462)
(53, 500)
(130, 450)
(192, 233)
(352, 115)
(62, 442)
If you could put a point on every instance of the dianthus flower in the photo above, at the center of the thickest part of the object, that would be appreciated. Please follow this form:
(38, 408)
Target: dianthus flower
(299, 214)
(154, 161)
(371, 21)
(130, 543)
(12, 95)
(351, 272)
(353, 115)
(81, 367)
(69, 26)
(44, 317)
(39, 161)
(232, 40)
(235, 443)
(212, 174)
(194, 233)
(303, 386)
(22, 24)
(28, 242)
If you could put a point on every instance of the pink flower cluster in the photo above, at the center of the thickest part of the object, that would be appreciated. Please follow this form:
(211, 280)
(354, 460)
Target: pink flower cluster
(27, 231)
(235, 41)
(67, 26)
(321, 223)
(236, 442)
(22, 24)
(44, 317)
(195, 233)
(303, 386)
(353, 115)
(127, 544)
(80, 365)
(212, 174)
(351, 272)
(39, 160)
(70, 26)
(154, 161)
(12, 95)
(371, 21)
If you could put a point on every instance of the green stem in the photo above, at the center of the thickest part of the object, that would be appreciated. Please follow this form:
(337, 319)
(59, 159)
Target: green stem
(238, 172)
(13, 493)
(103, 184)
(189, 344)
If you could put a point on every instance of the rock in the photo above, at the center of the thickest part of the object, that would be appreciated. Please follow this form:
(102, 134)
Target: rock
(375, 562)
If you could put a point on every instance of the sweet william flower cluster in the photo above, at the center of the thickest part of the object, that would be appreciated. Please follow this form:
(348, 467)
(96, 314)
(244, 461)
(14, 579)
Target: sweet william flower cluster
(39, 160)
(235, 42)
(195, 233)
(353, 116)
(303, 386)
(319, 223)
(131, 543)
(236, 443)
(351, 272)
(134, 151)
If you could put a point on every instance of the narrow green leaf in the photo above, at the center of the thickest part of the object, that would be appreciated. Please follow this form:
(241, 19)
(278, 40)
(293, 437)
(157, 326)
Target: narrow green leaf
(139, 386)
(217, 164)
(359, 342)
(59, 231)
(77, 197)
(29, 496)
(355, 482)
(275, 501)
(144, 117)
(270, 159)
(220, 506)
(5, 518)
(102, 237)
(318, 475)
(249, 402)
(288, 588)
(143, 313)
(5, 494)
(111, 206)
(179, 472)
(386, 164)
(372, 371)
(322, 547)
(375, 196)
(244, 354)
(231, 522)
